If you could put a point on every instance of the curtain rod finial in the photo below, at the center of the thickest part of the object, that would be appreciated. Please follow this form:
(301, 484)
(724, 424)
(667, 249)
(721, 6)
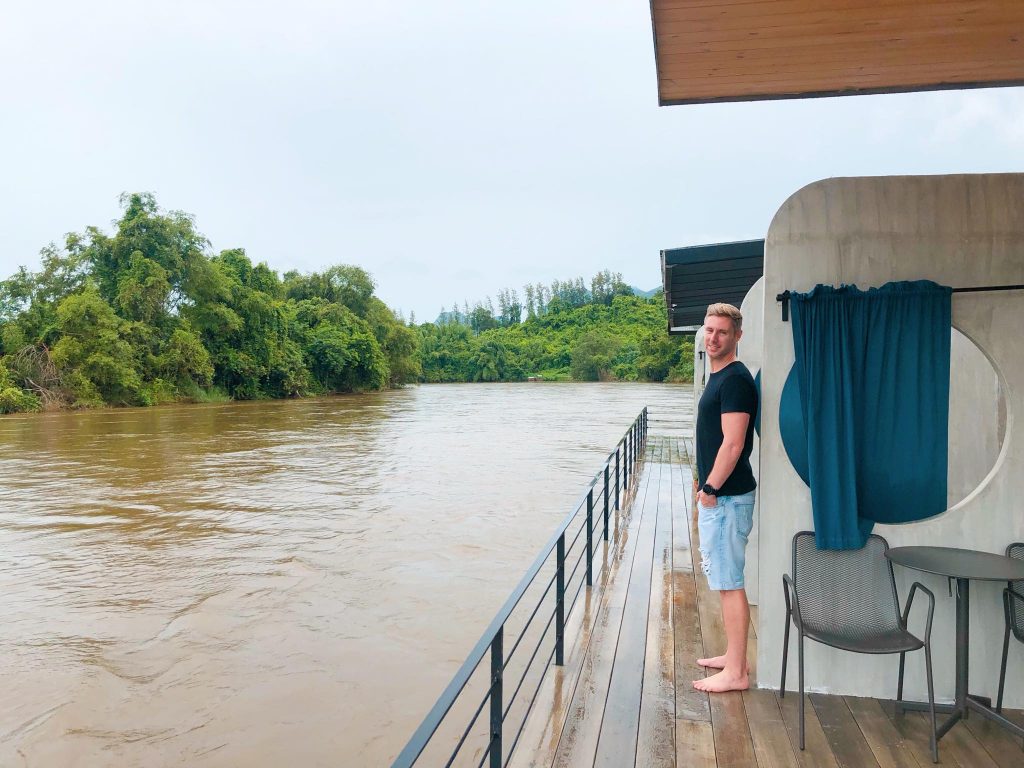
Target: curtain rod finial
(784, 298)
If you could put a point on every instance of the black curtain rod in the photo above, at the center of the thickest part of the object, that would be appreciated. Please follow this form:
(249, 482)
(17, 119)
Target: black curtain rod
(784, 296)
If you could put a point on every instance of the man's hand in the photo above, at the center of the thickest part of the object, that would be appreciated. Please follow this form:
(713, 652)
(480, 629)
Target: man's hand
(706, 500)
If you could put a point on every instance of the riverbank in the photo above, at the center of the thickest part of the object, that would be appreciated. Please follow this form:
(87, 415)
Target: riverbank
(149, 315)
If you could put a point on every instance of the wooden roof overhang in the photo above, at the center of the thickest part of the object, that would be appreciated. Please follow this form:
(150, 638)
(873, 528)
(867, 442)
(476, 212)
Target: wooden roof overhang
(741, 50)
(700, 275)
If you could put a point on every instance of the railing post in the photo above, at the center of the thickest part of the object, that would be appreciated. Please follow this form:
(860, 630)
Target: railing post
(560, 602)
(616, 477)
(497, 663)
(629, 460)
(625, 465)
(606, 502)
(590, 537)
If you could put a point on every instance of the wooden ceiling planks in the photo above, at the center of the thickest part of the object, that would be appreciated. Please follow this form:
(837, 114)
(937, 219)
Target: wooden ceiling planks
(734, 50)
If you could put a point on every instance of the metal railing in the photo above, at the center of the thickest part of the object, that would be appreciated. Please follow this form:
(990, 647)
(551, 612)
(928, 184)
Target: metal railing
(606, 491)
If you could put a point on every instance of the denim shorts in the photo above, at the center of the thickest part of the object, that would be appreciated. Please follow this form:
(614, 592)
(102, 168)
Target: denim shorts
(723, 532)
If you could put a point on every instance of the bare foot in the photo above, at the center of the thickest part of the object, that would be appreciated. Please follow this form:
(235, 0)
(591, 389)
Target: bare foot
(722, 682)
(715, 662)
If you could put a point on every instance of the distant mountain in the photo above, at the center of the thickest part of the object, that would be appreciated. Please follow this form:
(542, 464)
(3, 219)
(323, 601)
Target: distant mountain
(451, 317)
(646, 294)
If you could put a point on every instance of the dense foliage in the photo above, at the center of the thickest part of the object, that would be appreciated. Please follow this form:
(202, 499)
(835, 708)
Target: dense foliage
(149, 315)
(570, 332)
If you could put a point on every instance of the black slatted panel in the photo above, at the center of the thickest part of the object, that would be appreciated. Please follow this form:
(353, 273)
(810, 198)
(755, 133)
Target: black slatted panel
(700, 275)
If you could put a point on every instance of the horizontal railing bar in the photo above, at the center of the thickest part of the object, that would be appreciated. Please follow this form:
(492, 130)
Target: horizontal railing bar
(469, 727)
(529, 621)
(597, 488)
(526, 670)
(415, 746)
(540, 681)
(576, 538)
(490, 746)
(604, 564)
(529, 707)
(578, 561)
(572, 605)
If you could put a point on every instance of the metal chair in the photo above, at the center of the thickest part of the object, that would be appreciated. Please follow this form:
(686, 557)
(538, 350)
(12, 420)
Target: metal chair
(847, 599)
(1013, 606)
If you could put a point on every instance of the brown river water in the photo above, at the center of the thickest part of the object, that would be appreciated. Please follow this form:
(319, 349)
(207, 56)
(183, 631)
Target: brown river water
(286, 583)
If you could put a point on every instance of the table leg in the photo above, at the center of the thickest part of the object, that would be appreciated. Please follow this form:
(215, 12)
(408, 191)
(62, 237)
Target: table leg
(991, 714)
(963, 642)
(963, 636)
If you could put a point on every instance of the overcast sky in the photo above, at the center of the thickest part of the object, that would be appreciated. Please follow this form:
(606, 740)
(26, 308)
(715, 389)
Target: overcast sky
(450, 148)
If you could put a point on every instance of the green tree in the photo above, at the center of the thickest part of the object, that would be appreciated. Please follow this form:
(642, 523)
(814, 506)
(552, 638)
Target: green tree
(12, 397)
(491, 361)
(185, 361)
(447, 352)
(592, 356)
(97, 362)
(343, 284)
(169, 240)
(342, 352)
(399, 343)
(482, 319)
(147, 314)
(143, 289)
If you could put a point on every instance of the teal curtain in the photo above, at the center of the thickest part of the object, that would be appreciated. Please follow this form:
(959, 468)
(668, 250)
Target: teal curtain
(873, 374)
(791, 426)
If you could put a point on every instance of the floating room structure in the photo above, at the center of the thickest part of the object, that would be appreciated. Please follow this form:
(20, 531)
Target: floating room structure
(964, 231)
(620, 692)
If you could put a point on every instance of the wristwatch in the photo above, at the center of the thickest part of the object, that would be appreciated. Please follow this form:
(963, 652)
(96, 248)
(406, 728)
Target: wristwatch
(709, 489)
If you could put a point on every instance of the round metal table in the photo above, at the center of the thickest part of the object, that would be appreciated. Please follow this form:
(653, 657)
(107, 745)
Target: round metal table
(964, 565)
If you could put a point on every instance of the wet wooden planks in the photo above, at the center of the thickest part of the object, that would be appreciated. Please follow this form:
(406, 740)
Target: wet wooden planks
(625, 697)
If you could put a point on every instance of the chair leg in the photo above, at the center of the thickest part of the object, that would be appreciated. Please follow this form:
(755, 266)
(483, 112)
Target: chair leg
(800, 662)
(899, 685)
(931, 700)
(1006, 650)
(785, 655)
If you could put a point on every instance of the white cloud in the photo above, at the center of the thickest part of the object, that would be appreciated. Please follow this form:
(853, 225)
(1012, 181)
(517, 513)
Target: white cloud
(981, 116)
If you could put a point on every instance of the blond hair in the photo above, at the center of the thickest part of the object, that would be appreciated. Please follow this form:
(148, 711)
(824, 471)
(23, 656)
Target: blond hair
(727, 310)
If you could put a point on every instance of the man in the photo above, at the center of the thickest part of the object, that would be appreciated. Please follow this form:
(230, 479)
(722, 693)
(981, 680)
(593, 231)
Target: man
(725, 501)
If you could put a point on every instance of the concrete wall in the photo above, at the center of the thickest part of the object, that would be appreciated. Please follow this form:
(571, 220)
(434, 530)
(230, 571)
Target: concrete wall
(961, 231)
(977, 417)
(749, 352)
(701, 370)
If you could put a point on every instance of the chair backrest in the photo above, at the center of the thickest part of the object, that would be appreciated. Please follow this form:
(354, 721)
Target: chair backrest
(849, 592)
(1016, 551)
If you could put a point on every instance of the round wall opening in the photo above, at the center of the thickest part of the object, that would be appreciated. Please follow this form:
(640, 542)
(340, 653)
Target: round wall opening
(977, 420)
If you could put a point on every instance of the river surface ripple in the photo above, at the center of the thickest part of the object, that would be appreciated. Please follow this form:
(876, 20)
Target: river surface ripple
(275, 583)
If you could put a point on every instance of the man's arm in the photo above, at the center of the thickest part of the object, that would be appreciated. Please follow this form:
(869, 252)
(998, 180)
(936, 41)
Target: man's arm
(734, 436)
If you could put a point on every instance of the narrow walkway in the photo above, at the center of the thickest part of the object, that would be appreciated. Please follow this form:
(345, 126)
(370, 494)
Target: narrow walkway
(624, 696)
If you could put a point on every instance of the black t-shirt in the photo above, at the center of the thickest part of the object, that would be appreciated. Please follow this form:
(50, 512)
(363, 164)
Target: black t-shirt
(730, 390)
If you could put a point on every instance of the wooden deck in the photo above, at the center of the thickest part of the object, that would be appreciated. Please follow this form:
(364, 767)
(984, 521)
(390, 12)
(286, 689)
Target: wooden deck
(624, 696)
